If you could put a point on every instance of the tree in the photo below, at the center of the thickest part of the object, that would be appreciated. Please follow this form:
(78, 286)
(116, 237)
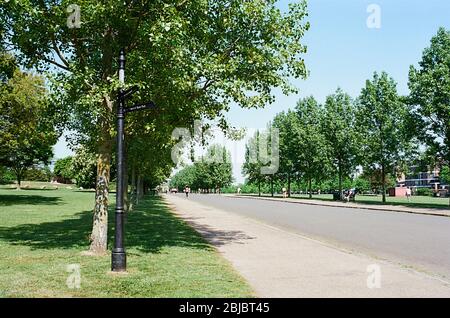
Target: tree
(362, 184)
(63, 169)
(312, 157)
(186, 176)
(192, 58)
(211, 171)
(444, 175)
(26, 136)
(285, 123)
(83, 168)
(378, 182)
(339, 131)
(382, 118)
(38, 173)
(219, 171)
(430, 94)
(255, 160)
(6, 176)
(8, 65)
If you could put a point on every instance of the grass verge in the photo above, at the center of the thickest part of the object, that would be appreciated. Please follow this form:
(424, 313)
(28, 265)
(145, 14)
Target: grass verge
(42, 232)
(416, 201)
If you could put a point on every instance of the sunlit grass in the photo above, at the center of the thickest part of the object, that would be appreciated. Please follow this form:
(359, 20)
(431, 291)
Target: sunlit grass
(43, 231)
(416, 201)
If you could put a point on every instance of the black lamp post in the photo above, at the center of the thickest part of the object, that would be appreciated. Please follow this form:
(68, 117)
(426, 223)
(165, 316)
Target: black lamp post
(118, 256)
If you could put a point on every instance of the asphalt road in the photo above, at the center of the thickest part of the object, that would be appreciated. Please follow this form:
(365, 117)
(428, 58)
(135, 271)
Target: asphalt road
(419, 241)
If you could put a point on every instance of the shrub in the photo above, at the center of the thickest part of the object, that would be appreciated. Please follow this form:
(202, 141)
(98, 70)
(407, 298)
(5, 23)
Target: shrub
(424, 192)
(38, 174)
(63, 170)
(6, 176)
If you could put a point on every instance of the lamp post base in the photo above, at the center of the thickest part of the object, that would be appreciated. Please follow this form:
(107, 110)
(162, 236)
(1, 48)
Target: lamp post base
(118, 261)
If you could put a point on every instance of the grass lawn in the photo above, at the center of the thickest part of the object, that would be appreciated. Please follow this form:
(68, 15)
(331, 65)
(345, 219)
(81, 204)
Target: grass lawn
(416, 201)
(43, 231)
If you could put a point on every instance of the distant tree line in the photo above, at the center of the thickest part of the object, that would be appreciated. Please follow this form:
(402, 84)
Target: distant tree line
(210, 173)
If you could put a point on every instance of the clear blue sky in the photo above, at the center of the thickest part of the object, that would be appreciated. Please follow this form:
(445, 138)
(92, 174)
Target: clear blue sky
(344, 52)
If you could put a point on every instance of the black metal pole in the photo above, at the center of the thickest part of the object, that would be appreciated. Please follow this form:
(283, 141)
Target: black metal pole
(119, 258)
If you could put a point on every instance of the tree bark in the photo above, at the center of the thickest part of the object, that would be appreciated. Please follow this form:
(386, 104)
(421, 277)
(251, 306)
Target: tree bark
(340, 182)
(133, 187)
(289, 185)
(383, 183)
(141, 185)
(310, 188)
(138, 188)
(259, 188)
(19, 178)
(99, 235)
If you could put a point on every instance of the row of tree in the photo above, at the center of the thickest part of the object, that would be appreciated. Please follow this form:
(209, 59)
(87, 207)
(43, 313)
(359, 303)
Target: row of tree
(209, 173)
(379, 131)
(192, 58)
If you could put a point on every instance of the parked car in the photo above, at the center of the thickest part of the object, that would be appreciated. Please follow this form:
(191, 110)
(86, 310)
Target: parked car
(174, 190)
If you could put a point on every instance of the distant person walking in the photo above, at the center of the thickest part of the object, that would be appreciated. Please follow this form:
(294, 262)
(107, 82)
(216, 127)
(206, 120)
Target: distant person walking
(408, 194)
(284, 192)
(238, 190)
(187, 190)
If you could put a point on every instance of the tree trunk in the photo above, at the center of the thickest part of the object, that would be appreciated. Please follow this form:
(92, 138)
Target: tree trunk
(310, 188)
(19, 178)
(133, 188)
(138, 188)
(289, 185)
(99, 235)
(141, 187)
(383, 183)
(340, 182)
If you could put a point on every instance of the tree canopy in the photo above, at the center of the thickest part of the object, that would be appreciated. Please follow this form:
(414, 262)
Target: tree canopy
(430, 95)
(192, 58)
(211, 172)
(382, 117)
(27, 135)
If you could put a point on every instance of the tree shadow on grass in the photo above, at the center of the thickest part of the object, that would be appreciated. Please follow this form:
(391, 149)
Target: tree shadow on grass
(149, 228)
(15, 199)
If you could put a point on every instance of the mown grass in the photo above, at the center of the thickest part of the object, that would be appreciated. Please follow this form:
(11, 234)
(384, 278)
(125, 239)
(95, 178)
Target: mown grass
(43, 231)
(416, 201)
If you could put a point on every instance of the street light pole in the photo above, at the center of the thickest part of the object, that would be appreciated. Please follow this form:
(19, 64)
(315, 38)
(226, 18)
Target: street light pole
(118, 256)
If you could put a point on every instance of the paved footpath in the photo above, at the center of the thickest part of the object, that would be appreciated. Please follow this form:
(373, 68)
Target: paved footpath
(278, 263)
(392, 208)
